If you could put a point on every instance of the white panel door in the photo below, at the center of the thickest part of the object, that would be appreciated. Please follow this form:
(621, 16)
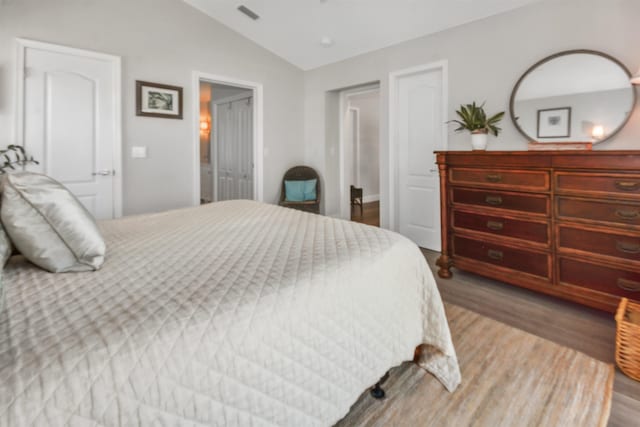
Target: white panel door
(224, 156)
(420, 132)
(354, 138)
(234, 148)
(69, 124)
(243, 113)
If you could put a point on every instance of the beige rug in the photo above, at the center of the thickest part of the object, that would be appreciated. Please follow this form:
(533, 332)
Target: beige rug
(509, 378)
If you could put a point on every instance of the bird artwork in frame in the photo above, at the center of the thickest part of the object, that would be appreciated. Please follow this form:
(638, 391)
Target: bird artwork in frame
(158, 100)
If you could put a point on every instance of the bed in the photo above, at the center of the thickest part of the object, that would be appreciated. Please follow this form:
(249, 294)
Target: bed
(235, 313)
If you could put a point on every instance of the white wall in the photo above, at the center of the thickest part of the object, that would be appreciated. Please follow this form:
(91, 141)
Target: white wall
(368, 105)
(160, 41)
(329, 173)
(485, 58)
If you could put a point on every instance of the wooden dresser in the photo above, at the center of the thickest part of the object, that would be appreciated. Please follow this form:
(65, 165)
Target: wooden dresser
(566, 223)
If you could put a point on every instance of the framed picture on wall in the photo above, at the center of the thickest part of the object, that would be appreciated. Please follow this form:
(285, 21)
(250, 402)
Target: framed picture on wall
(554, 123)
(158, 100)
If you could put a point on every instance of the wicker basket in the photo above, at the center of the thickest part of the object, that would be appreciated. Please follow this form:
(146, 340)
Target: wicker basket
(628, 338)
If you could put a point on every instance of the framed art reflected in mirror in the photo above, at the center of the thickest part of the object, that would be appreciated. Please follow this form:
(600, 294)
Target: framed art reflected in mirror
(554, 123)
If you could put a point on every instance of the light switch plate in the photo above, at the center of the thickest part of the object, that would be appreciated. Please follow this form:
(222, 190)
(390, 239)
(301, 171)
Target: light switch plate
(139, 152)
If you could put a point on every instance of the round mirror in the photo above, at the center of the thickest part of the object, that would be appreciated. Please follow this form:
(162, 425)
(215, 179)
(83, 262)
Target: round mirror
(573, 96)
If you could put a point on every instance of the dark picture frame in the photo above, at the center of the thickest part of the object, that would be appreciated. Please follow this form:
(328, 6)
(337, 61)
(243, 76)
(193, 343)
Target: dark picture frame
(158, 100)
(547, 126)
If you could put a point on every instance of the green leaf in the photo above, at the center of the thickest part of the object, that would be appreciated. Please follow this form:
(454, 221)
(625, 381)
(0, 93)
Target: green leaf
(473, 117)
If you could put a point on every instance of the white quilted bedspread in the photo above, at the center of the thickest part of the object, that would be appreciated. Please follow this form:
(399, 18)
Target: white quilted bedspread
(236, 313)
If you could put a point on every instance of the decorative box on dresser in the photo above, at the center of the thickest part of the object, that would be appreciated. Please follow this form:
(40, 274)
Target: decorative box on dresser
(566, 223)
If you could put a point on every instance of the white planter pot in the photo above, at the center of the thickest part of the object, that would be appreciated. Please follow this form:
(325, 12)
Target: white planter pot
(479, 141)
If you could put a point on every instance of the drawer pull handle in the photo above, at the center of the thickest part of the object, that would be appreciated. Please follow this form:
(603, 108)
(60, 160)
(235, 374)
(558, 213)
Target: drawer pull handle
(495, 225)
(628, 248)
(627, 214)
(497, 255)
(627, 185)
(629, 285)
(493, 200)
(494, 177)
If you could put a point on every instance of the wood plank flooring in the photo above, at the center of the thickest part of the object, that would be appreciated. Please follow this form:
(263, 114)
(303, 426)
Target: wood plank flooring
(370, 214)
(587, 330)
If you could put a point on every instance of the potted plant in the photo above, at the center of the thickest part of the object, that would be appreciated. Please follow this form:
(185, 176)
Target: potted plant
(474, 119)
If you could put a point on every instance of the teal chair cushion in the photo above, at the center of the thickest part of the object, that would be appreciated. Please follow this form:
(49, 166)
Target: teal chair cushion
(300, 191)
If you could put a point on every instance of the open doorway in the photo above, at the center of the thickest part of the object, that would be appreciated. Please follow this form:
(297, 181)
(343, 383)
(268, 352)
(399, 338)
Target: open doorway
(361, 150)
(226, 142)
(228, 139)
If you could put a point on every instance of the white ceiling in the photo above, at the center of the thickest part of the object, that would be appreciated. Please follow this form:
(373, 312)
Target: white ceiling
(292, 29)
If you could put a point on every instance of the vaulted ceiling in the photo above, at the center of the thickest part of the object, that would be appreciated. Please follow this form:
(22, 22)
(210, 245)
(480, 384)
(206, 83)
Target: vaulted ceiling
(312, 33)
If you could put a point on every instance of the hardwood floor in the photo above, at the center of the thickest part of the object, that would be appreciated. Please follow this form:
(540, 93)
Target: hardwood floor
(587, 330)
(370, 214)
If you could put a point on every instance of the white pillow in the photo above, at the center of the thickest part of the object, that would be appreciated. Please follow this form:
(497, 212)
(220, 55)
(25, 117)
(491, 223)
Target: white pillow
(48, 225)
(5, 253)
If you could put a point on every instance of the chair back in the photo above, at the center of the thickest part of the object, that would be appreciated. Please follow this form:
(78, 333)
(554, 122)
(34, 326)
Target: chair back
(300, 173)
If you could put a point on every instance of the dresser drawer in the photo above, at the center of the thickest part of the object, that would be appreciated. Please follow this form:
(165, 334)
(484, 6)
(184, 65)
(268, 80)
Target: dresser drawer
(615, 281)
(619, 245)
(514, 259)
(513, 228)
(627, 186)
(601, 211)
(528, 203)
(501, 178)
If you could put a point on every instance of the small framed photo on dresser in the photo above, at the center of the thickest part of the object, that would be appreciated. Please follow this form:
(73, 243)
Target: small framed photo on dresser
(158, 100)
(554, 123)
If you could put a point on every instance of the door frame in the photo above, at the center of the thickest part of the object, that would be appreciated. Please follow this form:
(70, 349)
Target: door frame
(394, 79)
(115, 62)
(258, 142)
(355, 134)
(344, 204)
(214, 138)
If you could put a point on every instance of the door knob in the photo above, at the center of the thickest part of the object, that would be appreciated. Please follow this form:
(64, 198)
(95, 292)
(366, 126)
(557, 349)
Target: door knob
(105, 172)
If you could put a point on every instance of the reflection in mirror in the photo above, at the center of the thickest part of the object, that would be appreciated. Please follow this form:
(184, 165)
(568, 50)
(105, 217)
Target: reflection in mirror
(574, 96)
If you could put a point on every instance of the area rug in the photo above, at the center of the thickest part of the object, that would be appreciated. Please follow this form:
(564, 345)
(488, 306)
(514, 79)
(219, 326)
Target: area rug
(509, 378)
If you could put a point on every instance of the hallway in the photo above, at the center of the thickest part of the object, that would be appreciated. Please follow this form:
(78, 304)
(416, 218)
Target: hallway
(370, 214)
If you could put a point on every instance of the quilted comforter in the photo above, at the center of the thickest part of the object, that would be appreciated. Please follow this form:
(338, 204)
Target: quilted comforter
(235, 313)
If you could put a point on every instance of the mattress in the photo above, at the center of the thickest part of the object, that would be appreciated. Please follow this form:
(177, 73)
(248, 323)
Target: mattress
(232, 314)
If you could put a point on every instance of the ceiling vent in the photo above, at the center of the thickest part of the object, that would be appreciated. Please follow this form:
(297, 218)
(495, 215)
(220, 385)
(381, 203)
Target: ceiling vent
(250, 13)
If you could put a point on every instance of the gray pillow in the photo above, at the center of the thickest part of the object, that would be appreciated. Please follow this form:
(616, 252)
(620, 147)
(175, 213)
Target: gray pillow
(48, 225)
